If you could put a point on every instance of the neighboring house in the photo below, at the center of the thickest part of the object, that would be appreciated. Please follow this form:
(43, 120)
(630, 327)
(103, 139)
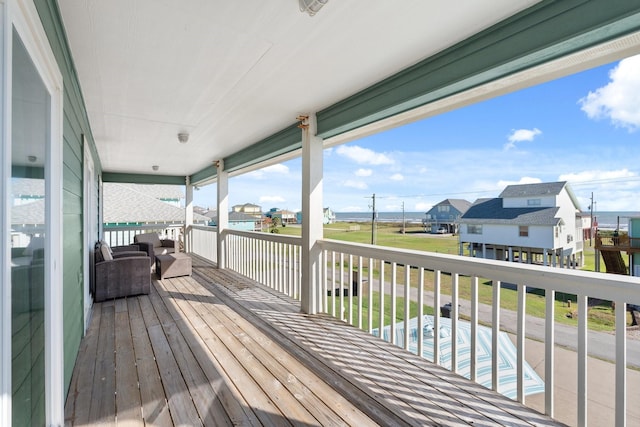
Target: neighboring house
(443, 217)
(240, 221)
(249, 209)
(328, 216)
(533, 223)
(130, 205)
(286, 217)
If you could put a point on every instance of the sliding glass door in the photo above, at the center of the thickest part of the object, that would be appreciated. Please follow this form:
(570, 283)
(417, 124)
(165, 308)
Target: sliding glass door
(31, 365)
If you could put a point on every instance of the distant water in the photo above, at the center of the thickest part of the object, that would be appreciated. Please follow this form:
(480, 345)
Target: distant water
(606, 220)
(409, 217)
(610, 220)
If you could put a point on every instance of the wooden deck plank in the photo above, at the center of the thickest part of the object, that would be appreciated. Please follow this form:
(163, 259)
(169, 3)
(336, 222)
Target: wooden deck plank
(388, 387)
(319, 399)
(128, 403)
(238, 411)
(204, 397)
(81, 388)
(218, 349)
(155, 409)
(253, 396)
(103, 403)
(181, 407)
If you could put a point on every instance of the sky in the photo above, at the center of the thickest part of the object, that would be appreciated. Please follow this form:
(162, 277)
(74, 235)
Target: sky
(584, 129)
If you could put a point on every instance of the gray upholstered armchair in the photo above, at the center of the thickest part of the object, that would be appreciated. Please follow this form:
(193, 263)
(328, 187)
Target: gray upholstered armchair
(120, 271)
(153, 245)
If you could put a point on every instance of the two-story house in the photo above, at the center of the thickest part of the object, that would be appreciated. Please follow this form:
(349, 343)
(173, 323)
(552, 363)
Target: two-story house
(443, 217)
(249, 209)
(532, 223)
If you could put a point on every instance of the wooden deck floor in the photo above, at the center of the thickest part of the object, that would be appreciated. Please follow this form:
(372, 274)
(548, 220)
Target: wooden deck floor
(217, 349)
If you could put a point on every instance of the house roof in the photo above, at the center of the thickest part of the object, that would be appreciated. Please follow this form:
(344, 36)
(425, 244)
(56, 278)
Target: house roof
(126, 204)
(461, 205)
(533, 190)
(540, 190)
(160, 191)
(490, 211)
(21, 187)
(237, 217)
(28, 213)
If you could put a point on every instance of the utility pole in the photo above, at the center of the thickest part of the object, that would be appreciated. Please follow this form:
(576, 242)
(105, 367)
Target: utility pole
(373, 220)
(591, 223)
(403, 226)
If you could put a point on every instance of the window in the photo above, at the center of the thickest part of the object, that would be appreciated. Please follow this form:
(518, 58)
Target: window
(524, 231)
(443, 208)
(534, 202)
(474, 229)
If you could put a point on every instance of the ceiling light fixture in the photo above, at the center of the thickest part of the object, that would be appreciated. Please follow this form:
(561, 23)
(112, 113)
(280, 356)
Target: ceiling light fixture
(155, 167)
(32, 159)
(311, 6)
(183, 137)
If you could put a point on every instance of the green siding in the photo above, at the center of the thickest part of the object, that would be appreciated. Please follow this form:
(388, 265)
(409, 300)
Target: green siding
(75, 125)
(143, 179)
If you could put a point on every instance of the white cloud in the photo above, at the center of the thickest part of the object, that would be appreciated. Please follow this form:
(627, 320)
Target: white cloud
(396, 177)
(422, 207)
(278, 168)
(360, 185)
(364, 172)
(273, 169)
(423, 170)
(272, 199)
(521, 135)
(363, 155)
(523, 180)
(619, 100)
(597, 175)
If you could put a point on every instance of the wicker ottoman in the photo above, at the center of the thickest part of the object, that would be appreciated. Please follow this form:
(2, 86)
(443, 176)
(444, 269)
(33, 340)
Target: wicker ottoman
(173, 265)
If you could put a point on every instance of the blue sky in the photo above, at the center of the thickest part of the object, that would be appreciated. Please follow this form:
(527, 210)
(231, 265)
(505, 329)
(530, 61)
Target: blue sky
(583, 128)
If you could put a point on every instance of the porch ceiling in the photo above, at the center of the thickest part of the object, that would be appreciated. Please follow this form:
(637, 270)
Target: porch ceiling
(233, 73)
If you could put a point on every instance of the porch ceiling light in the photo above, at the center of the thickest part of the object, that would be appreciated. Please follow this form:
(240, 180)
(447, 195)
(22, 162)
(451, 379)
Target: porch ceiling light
(311, 6)
(183, 137)
(155, 167)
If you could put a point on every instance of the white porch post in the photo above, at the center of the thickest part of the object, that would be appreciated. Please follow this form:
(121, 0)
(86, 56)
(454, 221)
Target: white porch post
(484, 251)
(545, 257)
(312, 230)
(188, 215)
(223, 212)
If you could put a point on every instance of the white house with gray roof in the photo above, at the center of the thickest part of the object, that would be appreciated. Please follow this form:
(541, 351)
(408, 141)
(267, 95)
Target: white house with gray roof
(532, 223)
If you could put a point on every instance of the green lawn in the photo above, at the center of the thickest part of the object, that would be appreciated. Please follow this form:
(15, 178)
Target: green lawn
(601, 317)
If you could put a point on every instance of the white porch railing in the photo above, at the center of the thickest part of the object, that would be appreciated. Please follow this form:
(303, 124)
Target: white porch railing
(361, 273)
(270, 259)
(119, 235)
(203, 240)
(352, 276)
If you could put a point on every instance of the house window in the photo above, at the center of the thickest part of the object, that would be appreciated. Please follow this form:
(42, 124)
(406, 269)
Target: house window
(524, 231)
(534, 202)
(474, 229)
(443, 208)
